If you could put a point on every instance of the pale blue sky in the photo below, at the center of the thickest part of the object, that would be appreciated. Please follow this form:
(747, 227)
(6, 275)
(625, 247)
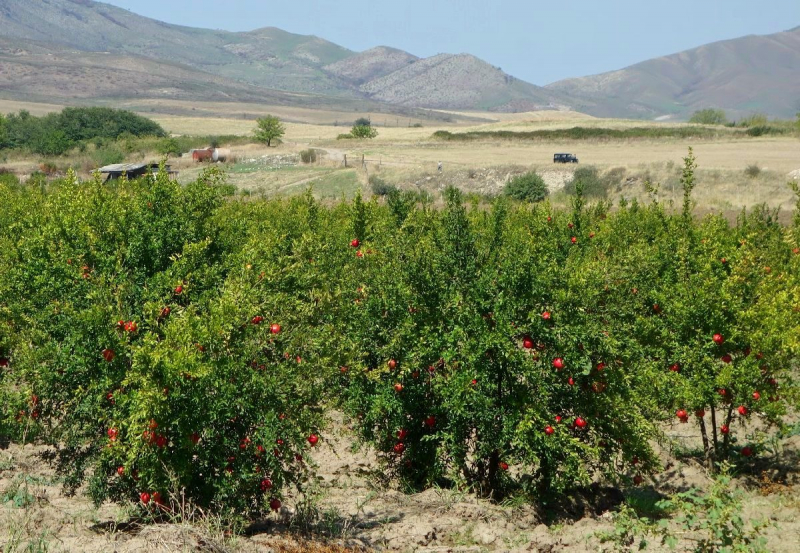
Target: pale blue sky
(534, 40)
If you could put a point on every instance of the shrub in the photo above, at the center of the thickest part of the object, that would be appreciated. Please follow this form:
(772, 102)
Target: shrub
(755, 120)
(51, 143)
(450, 382)
(347, 136)
(308, 156)
(107, 156)
(752, 171)
(709, 117)
(380, 187)
(716, 518)
(8, 178)
(529, 187)
(362, 122)
(169, 147)
(589, 178)
(193, 393)
(363, 131)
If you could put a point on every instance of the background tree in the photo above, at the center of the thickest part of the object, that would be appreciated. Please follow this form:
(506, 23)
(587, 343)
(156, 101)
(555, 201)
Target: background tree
(363, 131)
(362, 122)
(709, 117)
(529, 187)
(169, 147)
(269, 128)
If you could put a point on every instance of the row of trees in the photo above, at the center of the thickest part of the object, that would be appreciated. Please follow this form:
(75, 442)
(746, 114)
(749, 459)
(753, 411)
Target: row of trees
(711, 116)
(57, 133)
(166, 340)
(270, 128)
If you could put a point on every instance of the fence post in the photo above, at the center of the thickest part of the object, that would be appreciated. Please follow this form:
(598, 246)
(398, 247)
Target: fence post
(345, 161)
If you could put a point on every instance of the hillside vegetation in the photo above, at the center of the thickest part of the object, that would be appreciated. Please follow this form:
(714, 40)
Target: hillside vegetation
(56, 133)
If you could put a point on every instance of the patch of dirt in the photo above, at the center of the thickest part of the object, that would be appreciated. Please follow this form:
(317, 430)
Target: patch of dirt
(488, 180)
(357, 511)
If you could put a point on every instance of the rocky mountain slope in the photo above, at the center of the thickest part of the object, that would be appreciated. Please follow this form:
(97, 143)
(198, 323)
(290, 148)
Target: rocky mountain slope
(744, 75)
(454, 81)
(268, 57)
(370, 65)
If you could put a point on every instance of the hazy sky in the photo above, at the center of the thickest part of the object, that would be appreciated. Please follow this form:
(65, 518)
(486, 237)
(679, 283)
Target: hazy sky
(535, 40)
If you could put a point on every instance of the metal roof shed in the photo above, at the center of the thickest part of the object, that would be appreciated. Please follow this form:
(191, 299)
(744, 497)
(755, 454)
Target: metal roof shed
(132, 170)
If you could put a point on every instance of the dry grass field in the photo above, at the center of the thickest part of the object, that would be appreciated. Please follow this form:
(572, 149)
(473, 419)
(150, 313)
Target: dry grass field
(407, 155)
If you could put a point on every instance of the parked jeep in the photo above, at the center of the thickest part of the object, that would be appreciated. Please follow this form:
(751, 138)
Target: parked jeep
(565, 158)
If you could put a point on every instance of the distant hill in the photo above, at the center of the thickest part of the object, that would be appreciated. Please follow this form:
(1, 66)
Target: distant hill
(41, 72)
(268, 57)
(742, 76)
(370, 65)
(81, 49)
(454, 81)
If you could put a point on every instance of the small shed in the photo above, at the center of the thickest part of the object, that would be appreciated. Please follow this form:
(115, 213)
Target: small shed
(132, 170)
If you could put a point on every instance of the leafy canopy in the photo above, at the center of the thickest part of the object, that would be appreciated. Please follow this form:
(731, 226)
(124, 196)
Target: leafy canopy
(269, 128)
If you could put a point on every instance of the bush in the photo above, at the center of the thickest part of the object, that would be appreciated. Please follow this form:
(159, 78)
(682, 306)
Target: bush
(752, 171)
(362, 122)
(529, 187)
(345, 137)
(380, 187)
(7, 178)
(363, 131)
(450, 363)
(589, 178)
(755, 120)
(308, 156)
(107, 156)
(709, 117)
(51, 143)
(169, 147)
(192, 392)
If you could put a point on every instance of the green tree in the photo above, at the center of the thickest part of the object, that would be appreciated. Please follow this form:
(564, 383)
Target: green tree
(52, 142)
(362, 122)
(169, 147)
(709, 117)
(363, 131)
(529, 187)
(269, 128)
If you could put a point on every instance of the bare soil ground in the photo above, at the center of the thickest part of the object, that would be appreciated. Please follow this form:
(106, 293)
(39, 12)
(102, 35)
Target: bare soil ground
(350, 507)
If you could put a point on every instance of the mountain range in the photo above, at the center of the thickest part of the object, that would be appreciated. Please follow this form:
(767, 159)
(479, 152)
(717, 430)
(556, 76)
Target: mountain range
(80, 50)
